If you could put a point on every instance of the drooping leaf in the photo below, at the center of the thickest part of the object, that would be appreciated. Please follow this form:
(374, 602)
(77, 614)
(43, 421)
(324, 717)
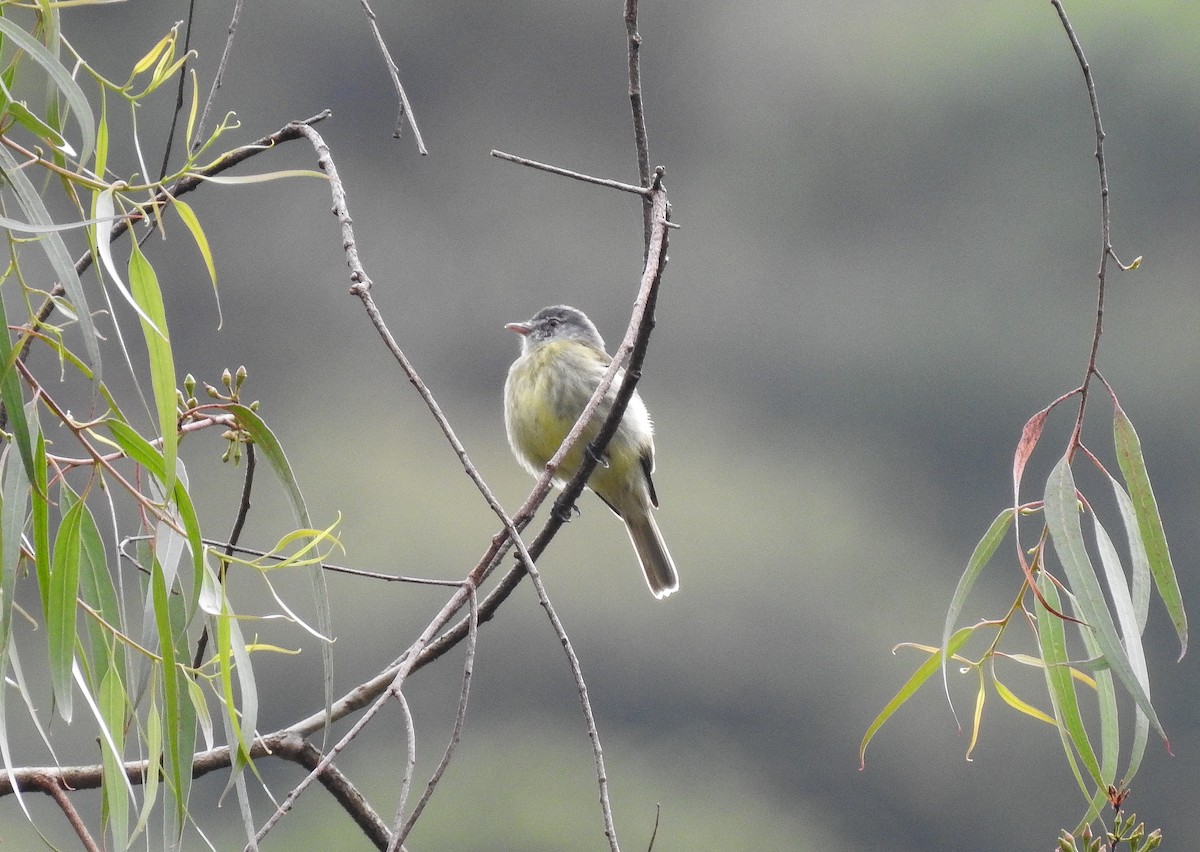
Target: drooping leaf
(176, 763)
(116, 794)
(979, 558)
(61, 608)
(265, 440)
(1062, 516)
(105, 207)
(1133, 468)
(1030, 434)
(189, 218)
(1132, 635)
(1052, 640)
(977, 717)
(925, 671)
(56, 252)
(10, 393)
(144, 284)
(62, 80)
(1012, 700)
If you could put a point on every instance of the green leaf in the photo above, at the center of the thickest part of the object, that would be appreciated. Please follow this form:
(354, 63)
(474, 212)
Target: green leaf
(1062, 517)
(62, 80)
(105, 209)
(1052, 640)
(139, 450)
(1133, 468)
(10, 393)
(12, 525)
(1012, 700)
(154, 754)
(239, 180)
(97, 591)
(61, 608)
(1106, 701)
(56, 252)
(144, 284)
(1132, 637)
(35, 125)
(979, 558)
(265, 440)
(188, 217)
(925, 671)
(1139, 560)
(116, 793)
(41, 522)
(176, 763)
(233, 658)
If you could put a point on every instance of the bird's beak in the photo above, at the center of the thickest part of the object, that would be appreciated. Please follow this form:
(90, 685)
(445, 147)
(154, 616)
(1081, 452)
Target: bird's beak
(521, 328)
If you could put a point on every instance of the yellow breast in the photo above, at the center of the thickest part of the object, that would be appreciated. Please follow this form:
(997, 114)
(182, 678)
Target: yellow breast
(546, 391)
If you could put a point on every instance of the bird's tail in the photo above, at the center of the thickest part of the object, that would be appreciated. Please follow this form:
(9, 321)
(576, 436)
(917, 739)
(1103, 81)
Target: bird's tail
(652, 553)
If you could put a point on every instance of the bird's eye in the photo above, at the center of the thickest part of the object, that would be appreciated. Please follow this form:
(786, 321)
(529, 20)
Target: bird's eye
(553, 322)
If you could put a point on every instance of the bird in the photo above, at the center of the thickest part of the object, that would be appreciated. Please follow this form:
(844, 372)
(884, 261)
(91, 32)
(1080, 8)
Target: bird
(561, 363)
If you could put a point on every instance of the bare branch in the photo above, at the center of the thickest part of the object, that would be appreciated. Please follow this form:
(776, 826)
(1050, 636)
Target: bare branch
(556, 170)
(459, 720)
(53, 787)
(640, 137)
(394, 73)
(218, 78)
(410, 766)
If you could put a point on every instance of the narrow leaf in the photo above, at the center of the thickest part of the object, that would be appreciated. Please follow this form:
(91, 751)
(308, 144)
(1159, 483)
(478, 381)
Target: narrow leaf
(62, 79)
(144, 284)
(1062, 516)
(10, 393)
(265, 440)
(56, 251)
(176, 764)
(188, 217)
(977, 718)
(1052, 639)
(12, 525)
(1133, 468)
(61, 608)
(106, 209)
(1030, 434)
(1010, 698)
(925, 671)
(237, 180)
(979, 558)
(116, 795)
(1132, 635)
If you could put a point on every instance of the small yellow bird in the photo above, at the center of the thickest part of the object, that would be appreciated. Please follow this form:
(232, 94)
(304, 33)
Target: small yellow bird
(562, 361)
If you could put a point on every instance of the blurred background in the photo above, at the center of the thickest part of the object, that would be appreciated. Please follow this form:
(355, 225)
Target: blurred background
(890, 230)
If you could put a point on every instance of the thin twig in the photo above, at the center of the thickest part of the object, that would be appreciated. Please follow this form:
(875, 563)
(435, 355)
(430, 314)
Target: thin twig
(239, 523)
(410, 766)
(405, 108)
(640, 137)
(643, 191)
(1106, 248)
(301, 751)
(183, 69)
(218, 78)
(459, 721)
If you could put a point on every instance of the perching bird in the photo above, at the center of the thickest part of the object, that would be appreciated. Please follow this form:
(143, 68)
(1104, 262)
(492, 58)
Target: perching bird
(562, 361)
